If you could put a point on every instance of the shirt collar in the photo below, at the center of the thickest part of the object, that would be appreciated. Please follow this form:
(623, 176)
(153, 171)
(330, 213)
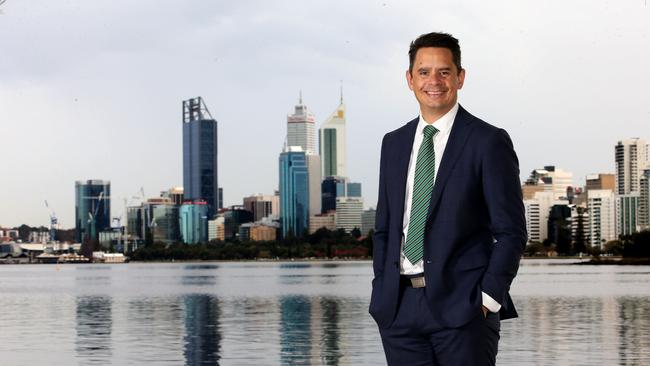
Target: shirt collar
(443, 124)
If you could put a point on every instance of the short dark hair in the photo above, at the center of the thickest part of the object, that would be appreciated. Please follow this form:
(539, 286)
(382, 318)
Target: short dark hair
(435, 39)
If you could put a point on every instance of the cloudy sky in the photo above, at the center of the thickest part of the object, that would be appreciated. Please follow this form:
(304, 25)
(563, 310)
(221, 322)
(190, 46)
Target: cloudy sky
(93, 90)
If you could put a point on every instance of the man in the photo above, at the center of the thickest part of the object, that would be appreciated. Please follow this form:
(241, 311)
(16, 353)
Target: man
(450, 226)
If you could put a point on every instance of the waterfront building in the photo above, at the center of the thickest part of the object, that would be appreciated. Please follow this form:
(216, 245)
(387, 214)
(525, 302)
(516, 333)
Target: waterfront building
(559, 226)
(627, 210)
(348, 213)
(294, 191)
(300, 128)
(92, 209)
(165, 227)
(216, 228)
(194, 222)
(263, 232)
(325, 220)
(551, 179)
(644, 200)
(233, 219)
(537, 212)
(368, 221)
(200, 169)
(332, 143)
(631, 158)
(262, 205)
(601, 205)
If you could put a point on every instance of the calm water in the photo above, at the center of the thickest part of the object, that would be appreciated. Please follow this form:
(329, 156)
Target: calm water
(294, 313)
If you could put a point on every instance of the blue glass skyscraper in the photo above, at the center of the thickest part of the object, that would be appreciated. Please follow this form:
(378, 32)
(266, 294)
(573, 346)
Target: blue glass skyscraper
(200, 155)
(92, 209)
(294, 191)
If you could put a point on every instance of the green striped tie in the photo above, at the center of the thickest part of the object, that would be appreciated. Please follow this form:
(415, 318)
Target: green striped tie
(425, 172)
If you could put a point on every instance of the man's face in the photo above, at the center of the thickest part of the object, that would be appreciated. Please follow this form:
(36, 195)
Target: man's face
(435, 81)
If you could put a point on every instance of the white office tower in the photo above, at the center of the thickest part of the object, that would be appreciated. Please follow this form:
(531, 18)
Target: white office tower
(301, 128)
(332, 143)
(553, 179)
(348, 213)
(644, 201)
(601, 204)
(537, 212)
(631, 157)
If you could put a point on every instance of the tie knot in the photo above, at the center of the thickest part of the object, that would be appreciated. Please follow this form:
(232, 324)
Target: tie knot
(429, 131)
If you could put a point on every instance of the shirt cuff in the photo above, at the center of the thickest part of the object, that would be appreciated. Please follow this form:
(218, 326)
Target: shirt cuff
(490, 303)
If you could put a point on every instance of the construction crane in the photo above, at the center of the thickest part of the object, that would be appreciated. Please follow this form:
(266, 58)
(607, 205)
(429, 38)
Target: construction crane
(53, 222)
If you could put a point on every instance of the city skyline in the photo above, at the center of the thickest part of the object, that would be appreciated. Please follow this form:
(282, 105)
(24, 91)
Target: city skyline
(105, 105)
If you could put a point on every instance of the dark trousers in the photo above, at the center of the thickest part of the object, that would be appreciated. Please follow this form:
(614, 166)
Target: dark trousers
(416, 338)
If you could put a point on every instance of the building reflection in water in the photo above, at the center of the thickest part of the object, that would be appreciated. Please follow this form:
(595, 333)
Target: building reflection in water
(202, 330)
(634, 343)
(330, 352)
(295, 330)
(94, 326)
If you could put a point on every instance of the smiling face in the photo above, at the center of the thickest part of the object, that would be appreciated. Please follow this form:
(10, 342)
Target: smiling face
(435, 81)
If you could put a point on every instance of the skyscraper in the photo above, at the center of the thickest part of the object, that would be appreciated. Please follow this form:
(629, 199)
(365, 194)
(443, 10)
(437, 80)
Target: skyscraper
(644, 200)
(332, 138)
(92, 208)
(294, 191)
(631, 159)
(194, 222)
(601, 204)
(300, 128)
(200, 178)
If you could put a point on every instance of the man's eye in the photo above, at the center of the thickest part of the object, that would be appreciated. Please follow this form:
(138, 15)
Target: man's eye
(424, 73)
(444, 73)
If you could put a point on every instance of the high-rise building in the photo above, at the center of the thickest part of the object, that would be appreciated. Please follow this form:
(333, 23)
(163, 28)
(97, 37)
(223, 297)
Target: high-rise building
(627, 212)
(200, 178)
(300, 128)
(174, 194)
(601, 205)
(348, 213)
(353, 189)
(631, 157)
(262, 205)
(294, 191)
(92, 208)
(332, 143)
(644, 200)
(194, 222)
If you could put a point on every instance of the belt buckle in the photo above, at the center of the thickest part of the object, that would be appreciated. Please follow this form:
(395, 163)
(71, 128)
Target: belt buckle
(417, 282)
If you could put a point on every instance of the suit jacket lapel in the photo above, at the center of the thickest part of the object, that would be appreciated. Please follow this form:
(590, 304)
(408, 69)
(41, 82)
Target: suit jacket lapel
(405, 141)
(460, 131)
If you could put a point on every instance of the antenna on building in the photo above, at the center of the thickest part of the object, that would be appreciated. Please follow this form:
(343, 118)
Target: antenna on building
(341, 91)
(300, 97)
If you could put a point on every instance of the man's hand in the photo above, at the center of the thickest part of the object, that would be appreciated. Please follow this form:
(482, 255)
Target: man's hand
(485, 311)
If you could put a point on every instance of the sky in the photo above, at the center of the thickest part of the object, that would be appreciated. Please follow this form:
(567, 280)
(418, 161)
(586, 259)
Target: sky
(93, 90)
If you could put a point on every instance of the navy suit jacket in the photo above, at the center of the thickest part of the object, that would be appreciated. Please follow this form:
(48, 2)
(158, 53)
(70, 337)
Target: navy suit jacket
(475, 232)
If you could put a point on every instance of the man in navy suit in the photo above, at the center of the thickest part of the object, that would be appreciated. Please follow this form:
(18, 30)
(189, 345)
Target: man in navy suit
(450, 227)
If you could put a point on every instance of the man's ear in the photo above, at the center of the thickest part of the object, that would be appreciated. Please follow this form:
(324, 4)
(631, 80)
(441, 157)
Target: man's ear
(461, 78)
(409, 79)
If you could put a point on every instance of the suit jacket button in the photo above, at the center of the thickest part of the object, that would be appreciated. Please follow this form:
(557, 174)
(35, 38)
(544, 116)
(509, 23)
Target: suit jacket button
(428, 262)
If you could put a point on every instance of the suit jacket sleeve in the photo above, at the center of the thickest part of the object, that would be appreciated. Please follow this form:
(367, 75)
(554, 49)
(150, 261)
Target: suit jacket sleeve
(502, 192)
(380, 237)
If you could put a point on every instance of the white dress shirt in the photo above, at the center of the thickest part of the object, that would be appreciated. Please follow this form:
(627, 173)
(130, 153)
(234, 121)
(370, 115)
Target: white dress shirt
(443, 125)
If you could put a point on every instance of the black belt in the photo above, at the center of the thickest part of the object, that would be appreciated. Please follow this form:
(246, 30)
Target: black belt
(415, 281)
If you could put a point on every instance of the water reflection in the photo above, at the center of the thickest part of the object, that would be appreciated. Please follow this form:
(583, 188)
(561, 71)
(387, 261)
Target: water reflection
(330, 354)
(94, 327)
(202, 330)
(295, 340)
